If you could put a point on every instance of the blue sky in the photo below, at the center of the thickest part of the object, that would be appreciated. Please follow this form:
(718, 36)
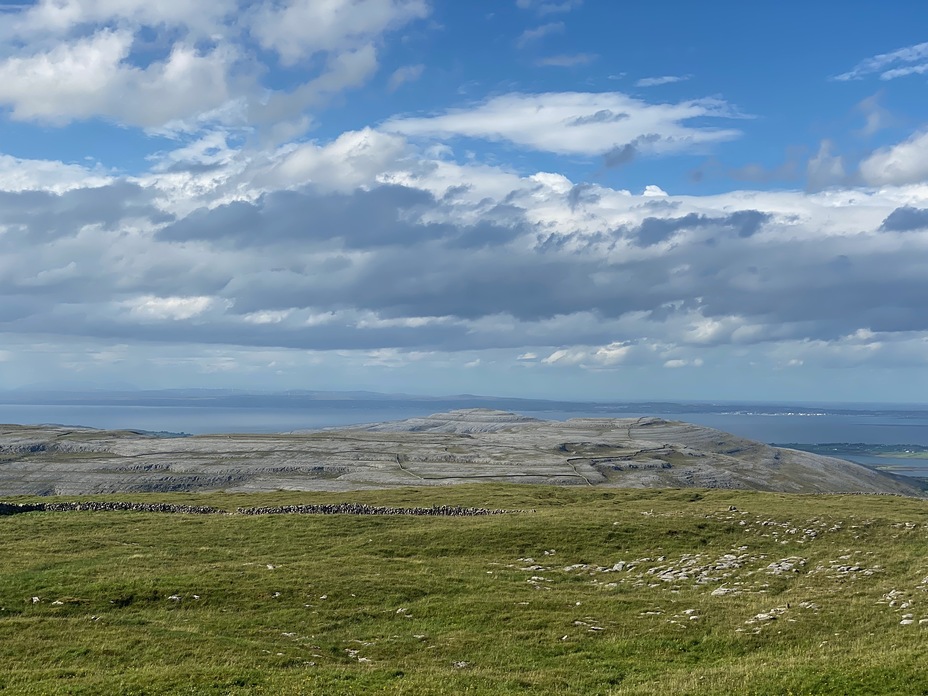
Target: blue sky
(548, 198)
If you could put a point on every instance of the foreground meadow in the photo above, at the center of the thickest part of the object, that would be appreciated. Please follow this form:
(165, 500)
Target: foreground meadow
(584, 591)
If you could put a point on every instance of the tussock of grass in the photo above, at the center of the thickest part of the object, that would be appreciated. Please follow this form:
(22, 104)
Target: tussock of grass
(144, 603)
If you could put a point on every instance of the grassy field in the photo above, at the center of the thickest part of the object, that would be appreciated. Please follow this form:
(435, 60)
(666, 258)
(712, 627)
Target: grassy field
(585, 592)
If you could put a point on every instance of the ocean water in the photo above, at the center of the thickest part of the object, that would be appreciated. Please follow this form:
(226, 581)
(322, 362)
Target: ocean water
(766, 424)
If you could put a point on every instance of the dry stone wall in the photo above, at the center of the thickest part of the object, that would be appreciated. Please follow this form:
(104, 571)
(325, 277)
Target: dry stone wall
(330, 509)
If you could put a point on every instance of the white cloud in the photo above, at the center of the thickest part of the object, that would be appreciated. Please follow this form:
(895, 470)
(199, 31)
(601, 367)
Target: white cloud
(537, 33)
(825, 169)
(545, 7)
(169, 308)
(566, 60)
(903, 163)
(353, 159)
(303, 28)
(877, 117)
(268, 317)
(917, 54)
(608, 355)
(576, 123)
(91, 77)
(653, 191)
(17, 174)
(407, 73)
(664, 80)
(62, 17)
(180, 66)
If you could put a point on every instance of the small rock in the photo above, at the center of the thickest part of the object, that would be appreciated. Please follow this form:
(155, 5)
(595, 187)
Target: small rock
(722, 591)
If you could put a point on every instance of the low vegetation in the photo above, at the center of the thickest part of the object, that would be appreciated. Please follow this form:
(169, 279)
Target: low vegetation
(585, 590)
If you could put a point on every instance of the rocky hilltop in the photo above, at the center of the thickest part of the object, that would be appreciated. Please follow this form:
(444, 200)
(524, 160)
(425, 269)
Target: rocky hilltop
(456, 447)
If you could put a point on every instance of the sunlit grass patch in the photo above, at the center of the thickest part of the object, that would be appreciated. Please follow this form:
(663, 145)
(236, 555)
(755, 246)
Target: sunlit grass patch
(586, 591)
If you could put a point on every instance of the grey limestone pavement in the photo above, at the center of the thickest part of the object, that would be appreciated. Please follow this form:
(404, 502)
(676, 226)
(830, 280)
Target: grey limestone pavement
(460, 446)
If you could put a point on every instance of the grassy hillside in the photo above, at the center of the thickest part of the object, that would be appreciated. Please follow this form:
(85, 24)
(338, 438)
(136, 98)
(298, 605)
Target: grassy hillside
(594, 591)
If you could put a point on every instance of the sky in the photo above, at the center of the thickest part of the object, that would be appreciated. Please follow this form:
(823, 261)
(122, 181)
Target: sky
(568, 199)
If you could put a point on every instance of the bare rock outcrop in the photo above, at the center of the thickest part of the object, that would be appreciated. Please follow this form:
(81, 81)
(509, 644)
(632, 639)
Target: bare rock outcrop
(457, 447)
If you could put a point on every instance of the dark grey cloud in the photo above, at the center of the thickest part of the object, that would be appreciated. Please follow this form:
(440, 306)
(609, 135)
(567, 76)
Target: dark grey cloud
(601, 116)
(906, 219)
(46, 215)
(744, 223)
(623, 154)
(620, 155)
(582, 193)
(380, 217)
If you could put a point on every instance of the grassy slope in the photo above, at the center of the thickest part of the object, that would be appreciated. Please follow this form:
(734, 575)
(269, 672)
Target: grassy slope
(444, 605)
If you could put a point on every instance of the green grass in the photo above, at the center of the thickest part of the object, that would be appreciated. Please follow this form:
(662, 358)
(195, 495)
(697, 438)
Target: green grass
(408, 605)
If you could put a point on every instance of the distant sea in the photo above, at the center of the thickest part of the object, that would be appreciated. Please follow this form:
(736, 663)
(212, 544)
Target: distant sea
(227, 412)
(772, 423)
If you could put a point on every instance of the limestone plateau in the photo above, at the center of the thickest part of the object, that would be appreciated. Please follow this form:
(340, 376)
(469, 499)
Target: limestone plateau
(461, 446)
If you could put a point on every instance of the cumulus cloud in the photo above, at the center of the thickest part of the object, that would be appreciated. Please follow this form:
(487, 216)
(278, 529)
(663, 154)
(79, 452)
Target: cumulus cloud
(353, 159)
(300, 29)
(177, 65)
(904, 163)
(19, 174)
(515, 265)
(91, 77)
(61, 17)
(577, 123)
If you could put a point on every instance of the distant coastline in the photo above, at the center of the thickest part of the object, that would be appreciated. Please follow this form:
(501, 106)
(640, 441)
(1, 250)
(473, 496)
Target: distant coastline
(216, 411)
